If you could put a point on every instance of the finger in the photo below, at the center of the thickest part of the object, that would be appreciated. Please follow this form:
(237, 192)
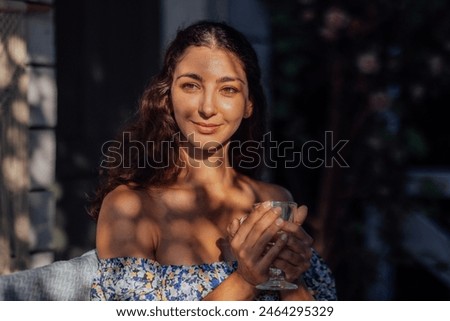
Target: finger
(263, 232)
(265, 229)
(292, 271)
(274, 251)
(297, 256)
(242, 219)
(288, 258)
(297, 232)
(255, 215)
(233, 227)
(256, 224)
(299, 245)
(300, 215)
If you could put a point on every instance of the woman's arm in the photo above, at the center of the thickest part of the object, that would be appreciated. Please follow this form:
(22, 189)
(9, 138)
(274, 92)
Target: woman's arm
(234, 288)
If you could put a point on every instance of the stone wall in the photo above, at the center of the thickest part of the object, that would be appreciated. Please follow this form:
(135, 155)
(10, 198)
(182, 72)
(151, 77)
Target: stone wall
(27, 118)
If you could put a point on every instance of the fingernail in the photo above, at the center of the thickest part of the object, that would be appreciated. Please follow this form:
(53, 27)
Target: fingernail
(267, 204)
(279, 221)
(283, 237)
(277, 210)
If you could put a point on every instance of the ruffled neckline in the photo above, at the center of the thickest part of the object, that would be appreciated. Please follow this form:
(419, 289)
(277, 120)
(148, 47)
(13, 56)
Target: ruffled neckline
(138, 260)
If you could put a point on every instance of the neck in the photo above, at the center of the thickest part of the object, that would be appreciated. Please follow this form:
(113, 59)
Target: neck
(206, 167)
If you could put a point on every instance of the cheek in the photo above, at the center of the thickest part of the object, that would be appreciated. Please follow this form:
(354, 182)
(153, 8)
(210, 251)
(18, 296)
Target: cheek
(183, 106)
(234, 109)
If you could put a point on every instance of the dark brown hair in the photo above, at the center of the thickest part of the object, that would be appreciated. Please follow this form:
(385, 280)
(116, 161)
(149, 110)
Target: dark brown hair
(154, 122)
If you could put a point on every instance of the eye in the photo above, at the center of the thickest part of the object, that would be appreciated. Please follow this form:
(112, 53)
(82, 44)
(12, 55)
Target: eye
(229, 91)
(189, 86)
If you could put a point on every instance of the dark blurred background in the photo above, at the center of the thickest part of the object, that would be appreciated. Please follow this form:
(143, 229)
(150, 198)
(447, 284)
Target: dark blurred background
(370, 78)
(375, 73)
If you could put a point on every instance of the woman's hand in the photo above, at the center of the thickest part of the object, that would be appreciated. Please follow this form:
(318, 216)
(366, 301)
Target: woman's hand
(249, 243)
(294, 258)
(291, 255)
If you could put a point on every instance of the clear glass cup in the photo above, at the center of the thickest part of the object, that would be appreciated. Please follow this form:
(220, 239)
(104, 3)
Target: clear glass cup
(277, 279)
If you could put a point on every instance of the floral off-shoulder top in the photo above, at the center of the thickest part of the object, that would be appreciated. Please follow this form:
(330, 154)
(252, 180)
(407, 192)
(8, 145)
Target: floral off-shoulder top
(131, 278)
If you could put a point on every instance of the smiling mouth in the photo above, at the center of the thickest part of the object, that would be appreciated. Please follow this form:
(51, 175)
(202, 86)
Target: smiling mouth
(206, 128)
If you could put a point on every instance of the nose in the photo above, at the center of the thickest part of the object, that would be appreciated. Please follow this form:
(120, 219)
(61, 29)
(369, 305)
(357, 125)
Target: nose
(207, 107)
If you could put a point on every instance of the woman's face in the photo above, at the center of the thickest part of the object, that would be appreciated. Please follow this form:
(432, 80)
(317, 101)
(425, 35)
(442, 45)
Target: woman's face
(209, 95)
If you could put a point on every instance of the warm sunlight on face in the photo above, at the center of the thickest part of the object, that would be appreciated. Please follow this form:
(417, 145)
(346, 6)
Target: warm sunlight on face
(209, 96)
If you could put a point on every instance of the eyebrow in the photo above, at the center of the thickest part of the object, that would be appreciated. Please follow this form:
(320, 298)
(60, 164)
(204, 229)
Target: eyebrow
(191, 75)
(226, 79)
(220, 80)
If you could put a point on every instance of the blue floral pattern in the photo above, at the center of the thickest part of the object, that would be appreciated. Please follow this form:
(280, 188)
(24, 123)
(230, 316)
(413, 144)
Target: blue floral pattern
(131, 278)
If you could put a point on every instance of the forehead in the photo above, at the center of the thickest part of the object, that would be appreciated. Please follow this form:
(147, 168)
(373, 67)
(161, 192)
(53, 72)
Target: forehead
(213, 60)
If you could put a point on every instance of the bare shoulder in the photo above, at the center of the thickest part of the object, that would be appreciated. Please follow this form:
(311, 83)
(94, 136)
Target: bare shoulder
(125, 226)
(122, 202)
(268, 191)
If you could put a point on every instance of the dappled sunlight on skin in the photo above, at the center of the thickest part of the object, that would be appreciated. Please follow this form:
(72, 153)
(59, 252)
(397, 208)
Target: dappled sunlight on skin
(194, 228)
(190, 243)
(143, 229)
(213, 201)
(176, 243)
(190, 240)
(178, 249)
(206, 234)
(181, 225)
(181, 201)
(126, 225)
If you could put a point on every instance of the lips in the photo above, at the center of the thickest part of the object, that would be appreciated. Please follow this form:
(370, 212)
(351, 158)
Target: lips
(206, 128)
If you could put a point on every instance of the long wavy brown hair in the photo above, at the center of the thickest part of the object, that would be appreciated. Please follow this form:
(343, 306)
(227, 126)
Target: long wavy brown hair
(136, 161)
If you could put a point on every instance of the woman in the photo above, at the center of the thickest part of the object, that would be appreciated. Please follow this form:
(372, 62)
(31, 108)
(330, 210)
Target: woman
(171, 224)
